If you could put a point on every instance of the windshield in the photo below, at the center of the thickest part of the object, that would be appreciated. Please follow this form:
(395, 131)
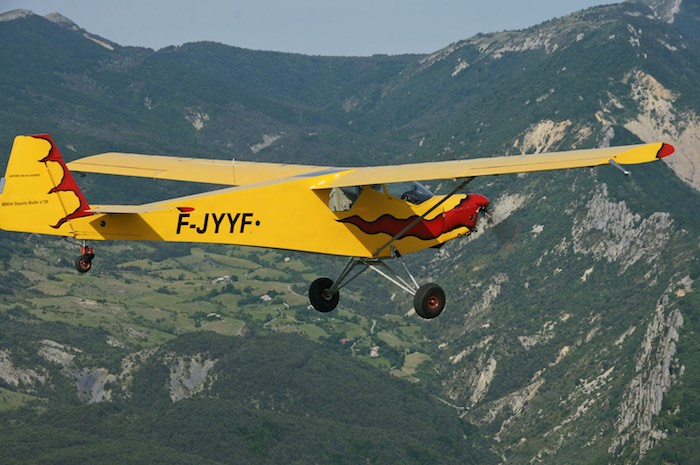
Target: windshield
(413, 192)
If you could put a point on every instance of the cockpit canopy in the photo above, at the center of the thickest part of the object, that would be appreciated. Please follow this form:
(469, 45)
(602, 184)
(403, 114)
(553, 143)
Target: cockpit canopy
(415, 192)
(343, 198)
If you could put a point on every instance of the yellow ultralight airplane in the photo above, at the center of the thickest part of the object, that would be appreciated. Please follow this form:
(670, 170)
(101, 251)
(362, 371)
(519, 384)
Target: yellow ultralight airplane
(327, 210)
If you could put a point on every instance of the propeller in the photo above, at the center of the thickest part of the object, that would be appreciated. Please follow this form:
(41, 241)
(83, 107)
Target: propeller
(499, 220)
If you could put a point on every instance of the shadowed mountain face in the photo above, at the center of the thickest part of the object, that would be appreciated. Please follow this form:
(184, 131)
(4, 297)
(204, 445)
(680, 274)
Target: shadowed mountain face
(569, 330)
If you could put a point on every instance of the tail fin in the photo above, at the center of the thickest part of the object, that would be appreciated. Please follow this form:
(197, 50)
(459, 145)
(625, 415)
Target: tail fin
(38, 193)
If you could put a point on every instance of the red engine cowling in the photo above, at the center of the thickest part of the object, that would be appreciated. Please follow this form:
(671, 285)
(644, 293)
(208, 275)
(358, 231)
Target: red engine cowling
(466, 212)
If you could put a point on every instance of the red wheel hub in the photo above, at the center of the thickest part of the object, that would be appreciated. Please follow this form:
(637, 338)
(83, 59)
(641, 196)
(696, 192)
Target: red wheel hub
(434, 301)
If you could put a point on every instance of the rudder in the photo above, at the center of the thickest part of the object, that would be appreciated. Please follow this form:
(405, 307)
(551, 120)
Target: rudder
(39, 193)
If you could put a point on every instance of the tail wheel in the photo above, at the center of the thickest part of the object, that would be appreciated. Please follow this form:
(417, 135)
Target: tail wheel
(84, 262)
(429, 301)
(320, 297)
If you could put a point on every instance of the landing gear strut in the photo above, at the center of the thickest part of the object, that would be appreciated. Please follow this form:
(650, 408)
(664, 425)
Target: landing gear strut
(84, 262)
(428, 299)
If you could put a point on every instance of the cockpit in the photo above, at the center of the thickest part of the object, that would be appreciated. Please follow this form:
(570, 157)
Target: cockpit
(342, 199)
(416, 193)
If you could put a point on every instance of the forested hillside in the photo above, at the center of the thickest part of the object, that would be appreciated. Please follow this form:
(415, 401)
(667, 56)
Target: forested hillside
(569, 336)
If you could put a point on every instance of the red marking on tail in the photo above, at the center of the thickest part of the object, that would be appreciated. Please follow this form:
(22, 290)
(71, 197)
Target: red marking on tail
(67, 183)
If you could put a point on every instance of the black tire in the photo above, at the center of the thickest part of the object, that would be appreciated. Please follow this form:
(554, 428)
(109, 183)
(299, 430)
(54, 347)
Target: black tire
(318, 295)
(429, 301)
(84, 263)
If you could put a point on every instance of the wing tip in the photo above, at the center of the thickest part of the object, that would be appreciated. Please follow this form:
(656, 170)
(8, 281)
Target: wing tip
(665, 150)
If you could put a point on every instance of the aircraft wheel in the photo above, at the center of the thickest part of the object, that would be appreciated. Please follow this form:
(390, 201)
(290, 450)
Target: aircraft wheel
(320, 299)
(84, 263)
(429, 301)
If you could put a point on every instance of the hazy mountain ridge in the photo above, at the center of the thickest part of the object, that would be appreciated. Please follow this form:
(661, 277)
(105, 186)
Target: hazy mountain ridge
(627, 69)
(570, 325)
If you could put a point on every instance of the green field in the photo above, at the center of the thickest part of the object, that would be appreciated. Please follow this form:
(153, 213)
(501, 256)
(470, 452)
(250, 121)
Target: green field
(144, 302)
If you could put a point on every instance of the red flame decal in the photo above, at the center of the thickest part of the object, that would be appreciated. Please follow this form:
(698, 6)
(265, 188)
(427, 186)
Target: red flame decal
(66, 184)
(388, 224)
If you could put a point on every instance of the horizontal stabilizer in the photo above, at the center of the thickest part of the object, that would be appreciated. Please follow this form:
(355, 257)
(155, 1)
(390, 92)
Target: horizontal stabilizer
(119, 209)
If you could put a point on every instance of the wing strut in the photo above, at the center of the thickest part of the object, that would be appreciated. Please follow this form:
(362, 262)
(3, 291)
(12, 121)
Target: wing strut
(401, 233)
(619, 167)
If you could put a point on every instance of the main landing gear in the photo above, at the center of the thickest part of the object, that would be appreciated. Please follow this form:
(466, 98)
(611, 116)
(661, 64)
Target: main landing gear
(84, 262)
(428, 299)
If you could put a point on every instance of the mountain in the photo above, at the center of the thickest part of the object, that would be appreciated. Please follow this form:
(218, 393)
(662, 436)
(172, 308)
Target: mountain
(182, 98)
(569, 335)
(200, 398)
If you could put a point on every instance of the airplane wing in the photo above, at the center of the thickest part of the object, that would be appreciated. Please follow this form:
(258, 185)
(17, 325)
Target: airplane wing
(240, 173)
(624, 155)
(227, 172)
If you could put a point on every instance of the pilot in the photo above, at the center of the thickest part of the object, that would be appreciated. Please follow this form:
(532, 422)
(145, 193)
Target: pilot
(413, 195)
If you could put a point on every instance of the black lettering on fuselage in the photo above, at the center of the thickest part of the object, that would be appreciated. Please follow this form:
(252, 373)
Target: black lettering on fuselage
(245, 221)
(203, 229)
(237, 223)
(181, 221)
(232, 220)
(217, 221)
